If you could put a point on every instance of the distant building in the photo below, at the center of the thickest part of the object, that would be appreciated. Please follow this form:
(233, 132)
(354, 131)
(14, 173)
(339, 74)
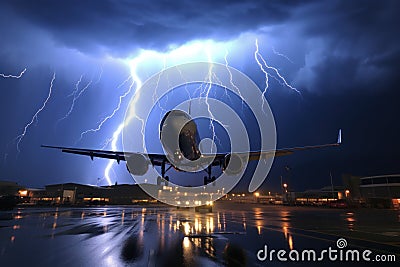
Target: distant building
(81, 194)
(8, 188)
(381, 191)
(73, 193)
(8, 195)
(126, 194)
(316, 196)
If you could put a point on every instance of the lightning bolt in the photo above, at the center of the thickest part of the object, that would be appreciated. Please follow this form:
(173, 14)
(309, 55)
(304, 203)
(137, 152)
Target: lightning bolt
(35, 116)
(264, 67)
(209, 82)
(76, 87)
(155, 95)
(101, 123)
(282, 55)
(75, 95)
(100, 75)
(13, 76)
(231, 79)
(115, 137)
(208, 89)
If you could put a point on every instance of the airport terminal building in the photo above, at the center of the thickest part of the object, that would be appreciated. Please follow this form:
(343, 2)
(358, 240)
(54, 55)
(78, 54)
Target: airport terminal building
(81, 194)
(381, 191)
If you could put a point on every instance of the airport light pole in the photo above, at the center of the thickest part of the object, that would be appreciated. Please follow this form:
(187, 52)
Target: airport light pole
(285, 186)
(333, 196)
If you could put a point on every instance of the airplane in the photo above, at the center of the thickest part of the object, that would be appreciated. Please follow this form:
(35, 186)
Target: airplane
(179, 123)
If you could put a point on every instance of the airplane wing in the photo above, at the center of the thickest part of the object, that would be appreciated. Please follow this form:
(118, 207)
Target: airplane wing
(158, 159)
(258, 155)
(288, 151)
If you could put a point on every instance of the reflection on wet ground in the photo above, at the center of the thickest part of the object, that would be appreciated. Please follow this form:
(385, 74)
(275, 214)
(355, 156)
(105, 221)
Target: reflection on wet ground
(165, 236)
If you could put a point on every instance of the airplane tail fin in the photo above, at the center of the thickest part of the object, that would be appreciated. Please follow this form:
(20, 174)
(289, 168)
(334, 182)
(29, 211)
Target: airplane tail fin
(339, 140)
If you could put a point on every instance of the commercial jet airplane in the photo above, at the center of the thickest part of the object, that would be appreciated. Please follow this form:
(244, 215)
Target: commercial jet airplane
(179, 123)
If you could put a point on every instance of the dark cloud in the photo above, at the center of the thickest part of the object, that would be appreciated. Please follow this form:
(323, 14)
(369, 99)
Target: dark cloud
(334, 39)
(351, 45)
(119, 27)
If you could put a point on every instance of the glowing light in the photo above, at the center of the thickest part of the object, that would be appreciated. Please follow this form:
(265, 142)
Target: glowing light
(35, 116)
(186, 242)
(186, 228)
(23, 193)
(13, 76)
(290, 242)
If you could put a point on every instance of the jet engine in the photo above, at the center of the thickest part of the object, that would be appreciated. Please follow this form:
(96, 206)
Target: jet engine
(233, 164)
(137, 164)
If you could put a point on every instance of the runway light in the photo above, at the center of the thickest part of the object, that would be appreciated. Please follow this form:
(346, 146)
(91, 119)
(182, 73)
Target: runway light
(290, 241)
(186, 228)
(186, 242)
(23, 193)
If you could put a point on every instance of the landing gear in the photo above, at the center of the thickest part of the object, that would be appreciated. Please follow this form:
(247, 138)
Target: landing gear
(209, 179)
(163, 178)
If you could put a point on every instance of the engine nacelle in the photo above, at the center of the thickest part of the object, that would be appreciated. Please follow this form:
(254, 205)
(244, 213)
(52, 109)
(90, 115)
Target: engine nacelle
(233, 164)
(137, 164)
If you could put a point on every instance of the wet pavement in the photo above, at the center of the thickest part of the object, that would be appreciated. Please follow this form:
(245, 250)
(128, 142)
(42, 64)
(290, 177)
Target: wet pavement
(232, 235)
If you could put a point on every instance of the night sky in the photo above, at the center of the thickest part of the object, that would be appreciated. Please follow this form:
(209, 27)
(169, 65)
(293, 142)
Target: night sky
(343, 57)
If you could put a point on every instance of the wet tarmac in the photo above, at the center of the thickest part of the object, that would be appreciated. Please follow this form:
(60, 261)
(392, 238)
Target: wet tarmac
(232, 235)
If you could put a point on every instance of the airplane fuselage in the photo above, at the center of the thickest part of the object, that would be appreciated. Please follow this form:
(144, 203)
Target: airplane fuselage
(179, 136)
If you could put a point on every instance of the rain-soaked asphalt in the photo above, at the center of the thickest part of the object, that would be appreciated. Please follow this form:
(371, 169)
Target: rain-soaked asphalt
(231, 235)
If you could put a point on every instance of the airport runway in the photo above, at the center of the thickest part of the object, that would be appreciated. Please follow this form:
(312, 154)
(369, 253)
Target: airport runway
(163, 236)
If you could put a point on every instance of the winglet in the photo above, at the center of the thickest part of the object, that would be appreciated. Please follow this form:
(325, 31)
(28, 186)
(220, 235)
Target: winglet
(339, 139)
